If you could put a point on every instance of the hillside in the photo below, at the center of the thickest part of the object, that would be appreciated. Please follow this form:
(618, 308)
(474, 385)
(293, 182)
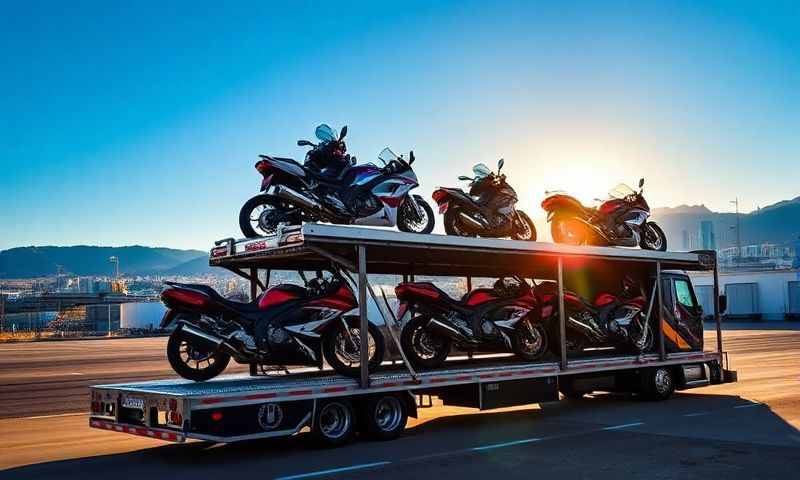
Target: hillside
(27, 262)
(778, 224)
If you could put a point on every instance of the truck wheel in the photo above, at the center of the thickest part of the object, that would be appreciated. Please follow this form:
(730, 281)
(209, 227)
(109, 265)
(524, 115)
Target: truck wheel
(192, 361)
(334, 422)
(384, 417)
(658, 383)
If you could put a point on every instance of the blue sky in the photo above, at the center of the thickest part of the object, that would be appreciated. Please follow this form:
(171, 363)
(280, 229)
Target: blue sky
(141, 123)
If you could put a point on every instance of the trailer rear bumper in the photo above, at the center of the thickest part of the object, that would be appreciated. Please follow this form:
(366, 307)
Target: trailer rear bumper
(154, 433)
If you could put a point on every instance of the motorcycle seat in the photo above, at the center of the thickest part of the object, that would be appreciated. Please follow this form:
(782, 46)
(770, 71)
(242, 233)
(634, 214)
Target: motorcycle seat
(216, 297)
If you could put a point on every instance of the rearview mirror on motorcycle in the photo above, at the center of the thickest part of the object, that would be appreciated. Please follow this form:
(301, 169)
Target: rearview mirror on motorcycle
(304, 143)
(411, 157)
(641, 182)
(465, 178)
(343, 133)
(500, 164)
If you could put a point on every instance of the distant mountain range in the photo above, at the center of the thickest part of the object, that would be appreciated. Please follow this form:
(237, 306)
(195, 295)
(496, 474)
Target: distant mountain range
(28, 262)
(777, 224)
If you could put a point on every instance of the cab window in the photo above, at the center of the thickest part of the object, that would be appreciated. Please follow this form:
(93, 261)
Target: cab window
(683, 294)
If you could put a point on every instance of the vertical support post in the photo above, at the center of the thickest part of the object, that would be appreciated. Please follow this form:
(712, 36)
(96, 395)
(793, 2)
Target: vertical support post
(661, 350)
(717, 318)
(562, 315)
(109, 319)
(268, 278)
(362, 314)
(253, 284)
(469, 284)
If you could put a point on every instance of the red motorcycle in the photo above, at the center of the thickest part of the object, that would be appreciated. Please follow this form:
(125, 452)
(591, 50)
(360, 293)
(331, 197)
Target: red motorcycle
(618, 321)
(286, 325)
(499, 319)
(619, 221)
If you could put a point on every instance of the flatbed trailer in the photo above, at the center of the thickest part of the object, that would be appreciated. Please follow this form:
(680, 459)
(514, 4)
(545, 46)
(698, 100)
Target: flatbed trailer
(233, 408)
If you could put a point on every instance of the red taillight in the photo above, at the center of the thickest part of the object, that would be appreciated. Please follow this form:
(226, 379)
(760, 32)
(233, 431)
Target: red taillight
(195, 299)
(439, 196)
(219, 252)
(216, 416)
(547, 203)
(174, 417)
(263, 167)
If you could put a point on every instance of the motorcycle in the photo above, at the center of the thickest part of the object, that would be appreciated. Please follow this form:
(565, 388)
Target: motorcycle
(355, 194)
(487, 211)
(618, 321)
(285, 325)
(619, 221)
(499, 319)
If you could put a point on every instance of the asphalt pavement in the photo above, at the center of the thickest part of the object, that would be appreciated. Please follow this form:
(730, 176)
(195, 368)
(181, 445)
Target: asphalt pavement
(744, 430)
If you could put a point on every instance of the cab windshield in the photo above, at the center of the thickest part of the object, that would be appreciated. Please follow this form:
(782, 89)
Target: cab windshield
(481, 170)
(621, 192)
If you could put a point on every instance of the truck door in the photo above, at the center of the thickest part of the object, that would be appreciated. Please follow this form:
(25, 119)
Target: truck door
(683, 315)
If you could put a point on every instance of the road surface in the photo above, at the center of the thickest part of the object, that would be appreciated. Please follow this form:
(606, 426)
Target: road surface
(743, 430)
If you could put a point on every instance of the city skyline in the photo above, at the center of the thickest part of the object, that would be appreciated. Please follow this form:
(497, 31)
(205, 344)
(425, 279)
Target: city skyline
(141, 126)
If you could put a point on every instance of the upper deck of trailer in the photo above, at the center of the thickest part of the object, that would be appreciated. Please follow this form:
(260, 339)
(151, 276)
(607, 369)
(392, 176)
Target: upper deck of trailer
(312, 246)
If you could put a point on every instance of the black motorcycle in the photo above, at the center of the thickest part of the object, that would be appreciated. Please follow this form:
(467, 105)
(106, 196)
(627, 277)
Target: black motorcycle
(286, 325)
(499, 319)
(330, 187)
(487, 211)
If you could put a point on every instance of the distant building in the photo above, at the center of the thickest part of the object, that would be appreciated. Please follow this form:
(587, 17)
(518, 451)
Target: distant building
(707, 241)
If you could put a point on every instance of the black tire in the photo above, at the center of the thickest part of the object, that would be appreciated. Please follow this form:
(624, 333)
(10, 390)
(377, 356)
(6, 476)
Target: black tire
(526, 346)
(405, 215)
(567, 388)
(658, 383)
(334, 422)
(525, 218)
(653, 238)
(245, 214)
(452, 224)
(384, 416)
(416, 335)
(180, 345)
(333, 340)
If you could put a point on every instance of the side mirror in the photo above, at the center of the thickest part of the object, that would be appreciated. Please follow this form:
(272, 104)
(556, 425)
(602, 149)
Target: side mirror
(641, 182)
(465, 179)
(411, 157)
(304, 143)
(500, 164)
(723, 304)
(343, 132)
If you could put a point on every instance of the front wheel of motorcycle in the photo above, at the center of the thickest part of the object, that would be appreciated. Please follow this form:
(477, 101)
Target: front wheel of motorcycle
(261, 215)
(653, 237)
(423, 348)
(410, 221)
(530, 340)
(342, 348)
(524, 229)
(193, 361)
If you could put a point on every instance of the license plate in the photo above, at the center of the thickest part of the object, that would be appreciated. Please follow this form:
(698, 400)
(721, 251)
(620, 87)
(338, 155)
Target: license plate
(133, 402)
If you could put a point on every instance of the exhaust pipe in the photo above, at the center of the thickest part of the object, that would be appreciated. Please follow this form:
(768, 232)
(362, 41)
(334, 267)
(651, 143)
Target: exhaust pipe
(287, 193)
(203, 337)
(471, 222)
(446, 330)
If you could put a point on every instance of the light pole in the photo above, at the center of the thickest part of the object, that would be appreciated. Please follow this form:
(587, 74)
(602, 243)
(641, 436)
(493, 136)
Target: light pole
(738, 231)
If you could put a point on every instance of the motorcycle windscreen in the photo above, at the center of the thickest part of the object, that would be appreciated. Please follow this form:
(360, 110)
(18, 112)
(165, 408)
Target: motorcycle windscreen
(682, 320)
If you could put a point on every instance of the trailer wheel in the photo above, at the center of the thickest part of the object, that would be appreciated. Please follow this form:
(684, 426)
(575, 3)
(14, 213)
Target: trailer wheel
(658, 383)
(384, 417)
(334, 422)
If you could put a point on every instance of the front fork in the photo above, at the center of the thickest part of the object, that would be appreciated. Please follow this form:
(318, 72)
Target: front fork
(415, 204)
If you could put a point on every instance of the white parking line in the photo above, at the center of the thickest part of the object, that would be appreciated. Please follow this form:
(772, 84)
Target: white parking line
(749, 405)
(331, 471)
(696, 414)
(617, 427)
(506, 444)
(52, 416)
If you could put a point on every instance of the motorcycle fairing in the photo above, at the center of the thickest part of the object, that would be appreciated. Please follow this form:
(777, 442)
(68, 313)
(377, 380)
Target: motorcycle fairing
(280, 294)
(564, 203)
